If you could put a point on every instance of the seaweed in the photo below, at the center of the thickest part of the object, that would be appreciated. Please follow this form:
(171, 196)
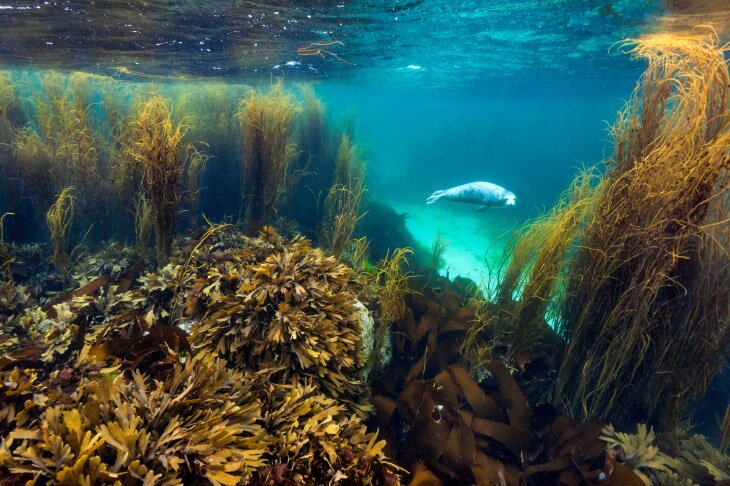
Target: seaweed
(268, 178)
(143, 224)
(59, 219)
(390, 284)
(529, 289)
(342, 205)
(338, 446)
(438, 248)
(280, 304)
(463, 434)
(163, 159)
(200, 424)
(645, 301)
(686, 460)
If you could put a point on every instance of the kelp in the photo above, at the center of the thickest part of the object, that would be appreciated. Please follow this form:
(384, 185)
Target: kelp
(143, 224)
(390, 283)
(438, 249)
(88, 131)
(526, 295)
(200, 424)
(131, 401)
(342, 204)
(646, 295)
(163, 160)
(283, 304)
(59, 219)
(210, 109)
(268, 178)
(59, 147)
(466, 435)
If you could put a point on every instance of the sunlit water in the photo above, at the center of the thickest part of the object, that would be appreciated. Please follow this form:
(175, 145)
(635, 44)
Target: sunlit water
(443, 92)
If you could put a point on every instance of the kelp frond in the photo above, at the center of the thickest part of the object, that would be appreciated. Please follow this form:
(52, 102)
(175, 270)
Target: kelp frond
(268, 178)
(163, 158)
(645, 300)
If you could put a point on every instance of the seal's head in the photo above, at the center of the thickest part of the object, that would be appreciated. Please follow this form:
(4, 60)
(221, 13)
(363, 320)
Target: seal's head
(509, 199)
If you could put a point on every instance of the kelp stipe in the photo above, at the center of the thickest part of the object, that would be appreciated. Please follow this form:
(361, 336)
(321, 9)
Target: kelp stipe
(317, 148)
(646, 296)
(143, 224)
(211, 111)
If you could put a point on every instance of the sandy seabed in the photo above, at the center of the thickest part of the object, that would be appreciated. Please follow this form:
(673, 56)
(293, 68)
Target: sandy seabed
(476, 240)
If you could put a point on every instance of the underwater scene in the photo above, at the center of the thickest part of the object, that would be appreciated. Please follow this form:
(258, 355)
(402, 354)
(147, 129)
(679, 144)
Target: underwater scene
(358, 242)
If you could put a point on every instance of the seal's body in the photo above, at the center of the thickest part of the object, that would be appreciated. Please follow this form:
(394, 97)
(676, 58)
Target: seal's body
(485, 194)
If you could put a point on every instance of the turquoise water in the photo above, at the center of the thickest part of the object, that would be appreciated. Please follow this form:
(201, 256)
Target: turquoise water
(435, 94)
(442, 93)
(532, 142)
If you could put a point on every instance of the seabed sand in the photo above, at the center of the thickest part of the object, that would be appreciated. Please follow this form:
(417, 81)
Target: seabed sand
(475, 240)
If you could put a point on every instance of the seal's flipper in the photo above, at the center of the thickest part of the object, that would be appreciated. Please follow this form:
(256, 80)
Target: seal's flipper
(434, 197)
(481, 209)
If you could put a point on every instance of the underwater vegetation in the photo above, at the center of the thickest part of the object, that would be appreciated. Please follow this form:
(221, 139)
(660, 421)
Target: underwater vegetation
(630, 267)
(343, 201)
(244, 354)
(59, 219)
(124, 395)
(163, 162)
(646, 292)
(143, 157)
(285, 306)
(268, 179)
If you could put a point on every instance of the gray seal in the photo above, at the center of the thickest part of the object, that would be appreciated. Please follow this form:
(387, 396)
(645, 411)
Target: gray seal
(485, 194)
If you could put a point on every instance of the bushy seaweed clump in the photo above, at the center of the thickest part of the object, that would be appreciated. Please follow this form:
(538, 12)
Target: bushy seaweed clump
(104, 386)
(200, 424)
(278, 304)
(681, 460)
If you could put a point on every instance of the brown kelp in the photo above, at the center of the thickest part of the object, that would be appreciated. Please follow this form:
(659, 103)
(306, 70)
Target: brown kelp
(646, 292)
(390, 283)
(210, 109)
(143, 224)
(342, 205)
(58, 147)
(163, 160)
(120, 395)
(336, 441)
(59, 219)
(466, 436)
(268, 179)
(284, 305)
(535, 263)
(438, 248)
